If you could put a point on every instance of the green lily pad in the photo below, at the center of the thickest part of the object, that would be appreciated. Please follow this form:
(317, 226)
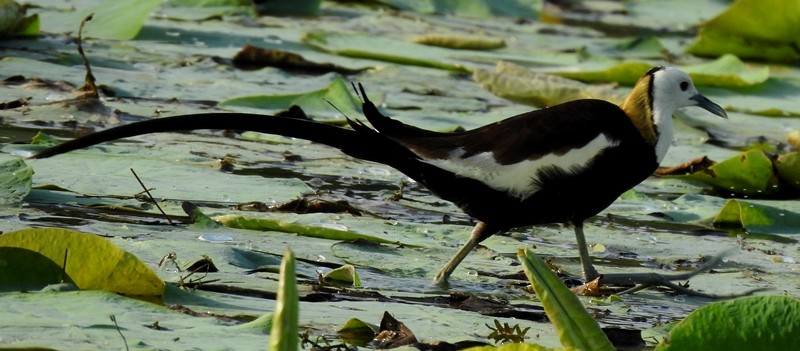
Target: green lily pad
(749, 323)
(757, 218)
(25, 270)
(750, 173)
(381, 48)
(317, 102)
(16, 178)
(520, 84)
(460, 42)
(92, 262)
(727, 71)
(627, 72)
(575, 327)
(788, 166)
(344, 274)
(236, 221)
(13, 20)
(356, 331)
(113, 19)
(740, 30)
(528, 9)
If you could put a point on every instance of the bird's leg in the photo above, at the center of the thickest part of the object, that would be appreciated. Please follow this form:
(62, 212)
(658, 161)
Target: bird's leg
(589, 273)
(479, 233)
(645, 280)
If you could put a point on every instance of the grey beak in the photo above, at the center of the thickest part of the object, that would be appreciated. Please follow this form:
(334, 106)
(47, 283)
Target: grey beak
(709, 106)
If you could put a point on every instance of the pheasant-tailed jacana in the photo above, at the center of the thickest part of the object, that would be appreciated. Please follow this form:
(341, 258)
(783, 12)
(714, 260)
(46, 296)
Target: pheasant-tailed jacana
(561, 164)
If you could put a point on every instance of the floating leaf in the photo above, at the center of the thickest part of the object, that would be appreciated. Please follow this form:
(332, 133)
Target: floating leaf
(113, 19)
(757, 218)
(344, 274)
(285, 335)
(528, 9)
(575, 327)
(749, 173)
(460, 42)
(13, 21)
(788, 166)
(92, 262)
(23, 270)
(627, 72)
(727, 71)
(287, 7)
(16, 178)
(520, 84)
(314, 102)
(236, 221)
(381, 48)
(741, 31)
(748, 323)
(356, 331)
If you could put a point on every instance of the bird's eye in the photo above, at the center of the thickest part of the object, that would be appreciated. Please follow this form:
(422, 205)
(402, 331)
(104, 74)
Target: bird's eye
(684, 85)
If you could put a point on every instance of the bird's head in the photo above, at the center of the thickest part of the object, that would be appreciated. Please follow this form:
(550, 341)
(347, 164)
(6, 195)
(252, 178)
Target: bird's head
(654, 99)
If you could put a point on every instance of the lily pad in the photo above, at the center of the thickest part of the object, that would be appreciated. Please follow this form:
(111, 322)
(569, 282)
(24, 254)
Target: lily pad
(91, 262)
(317, 102)
(757, 218)
(727, 71)
(113, 19)
(788, 166)
(13, 20)
(460, 42)
(236, 221)
(528, 9)
(16, 178)
(740, 30)
(749, 323)
(750, 173)
(520, 84)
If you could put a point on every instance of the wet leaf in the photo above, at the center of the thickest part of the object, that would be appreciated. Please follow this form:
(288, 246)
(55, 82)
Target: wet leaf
(92, 262)
(344, 274)
(16, 178)
(285, 334)
(382, 49)
(757, 218)
(25, 270)
(750, 173)
(356, 331)
(14, 22)
(236, 221)
(740, 31)
(317, 102)
(287, 7)
(252, 57)
(788, 166)
(460, 42)
(478, 8)
(627, 72)
(575, 327)
(520, 84)
(727, 71)
(748, 323)
(113, 19)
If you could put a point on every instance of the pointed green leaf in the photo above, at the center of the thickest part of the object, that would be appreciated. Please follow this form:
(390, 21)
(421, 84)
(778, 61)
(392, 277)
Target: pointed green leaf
(345, 274)
(285, 332)
(575, 327)
(749, 173)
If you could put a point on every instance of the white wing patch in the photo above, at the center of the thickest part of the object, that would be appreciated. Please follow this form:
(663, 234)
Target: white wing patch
(519, 179)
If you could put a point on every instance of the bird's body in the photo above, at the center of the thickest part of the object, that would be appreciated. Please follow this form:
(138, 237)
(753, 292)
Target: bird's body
(562, 164)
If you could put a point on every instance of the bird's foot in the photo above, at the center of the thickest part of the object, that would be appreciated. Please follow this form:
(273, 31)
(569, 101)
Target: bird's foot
(650, 280)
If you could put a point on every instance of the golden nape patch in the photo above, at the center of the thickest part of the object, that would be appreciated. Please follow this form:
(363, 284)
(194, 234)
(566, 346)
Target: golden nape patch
(638, 107)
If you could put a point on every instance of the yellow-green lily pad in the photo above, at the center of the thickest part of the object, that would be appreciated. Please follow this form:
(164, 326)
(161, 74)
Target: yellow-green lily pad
(92, 262)
(727, 71)
(753, 29)
(748, 323)
(788, 166)
(750, 173)
(757, 218)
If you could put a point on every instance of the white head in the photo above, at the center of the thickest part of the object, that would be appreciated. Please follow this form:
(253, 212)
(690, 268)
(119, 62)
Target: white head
(654, 99)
